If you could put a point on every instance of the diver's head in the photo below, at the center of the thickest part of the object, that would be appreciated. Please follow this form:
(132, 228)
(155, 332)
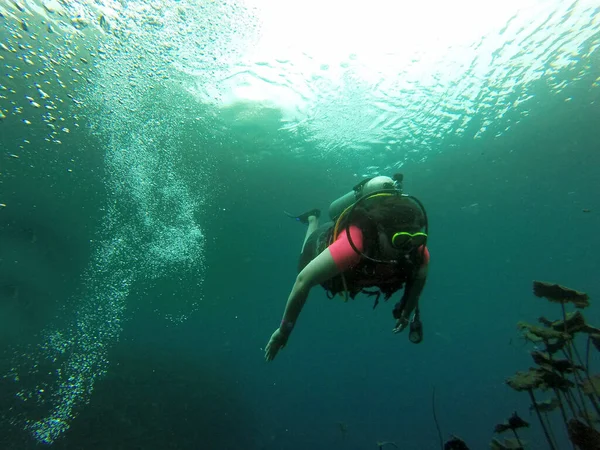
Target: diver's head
(397, 221)
(399, 218)
(401, 226)
(377, 184)
(394, 213)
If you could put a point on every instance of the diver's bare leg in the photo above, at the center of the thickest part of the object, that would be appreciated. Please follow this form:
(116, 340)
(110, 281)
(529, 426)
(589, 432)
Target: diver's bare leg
(313, 224)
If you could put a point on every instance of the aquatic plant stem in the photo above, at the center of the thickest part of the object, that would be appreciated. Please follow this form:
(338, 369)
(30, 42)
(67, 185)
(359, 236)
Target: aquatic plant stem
(570, 348)
(435, 419)
(569, 341)
(587, 374)
(580, 361)
(537, 411)
(582, 409)
(549, 425)
(587, 354)
(570, 398)
(593, 400)
(567, 398)
(563, 413)
(517, 438)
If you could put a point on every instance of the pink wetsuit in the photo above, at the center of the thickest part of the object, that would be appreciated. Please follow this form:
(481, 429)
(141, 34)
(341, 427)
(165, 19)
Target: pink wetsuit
(344, 255)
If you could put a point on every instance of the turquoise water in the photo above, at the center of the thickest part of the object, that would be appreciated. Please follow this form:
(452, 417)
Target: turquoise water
(149, 149)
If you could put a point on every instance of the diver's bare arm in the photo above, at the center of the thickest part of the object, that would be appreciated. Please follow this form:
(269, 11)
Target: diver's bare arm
(294, 306)
(320, 269)
(412, 292)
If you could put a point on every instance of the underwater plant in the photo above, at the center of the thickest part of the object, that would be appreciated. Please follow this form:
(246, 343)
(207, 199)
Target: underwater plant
(343, 427)
(513, 424)
(455, 443)
(561, 370)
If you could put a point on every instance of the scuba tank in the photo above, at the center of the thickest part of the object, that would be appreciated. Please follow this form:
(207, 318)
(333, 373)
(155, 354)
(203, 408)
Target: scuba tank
(365, 187)
(338, 206)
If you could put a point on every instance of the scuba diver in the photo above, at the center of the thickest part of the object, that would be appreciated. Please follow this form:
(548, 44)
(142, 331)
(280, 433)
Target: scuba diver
(375, 243)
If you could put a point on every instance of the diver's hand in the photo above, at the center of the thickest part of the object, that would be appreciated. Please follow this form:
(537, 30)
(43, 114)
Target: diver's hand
(401, 324)
(277, 342)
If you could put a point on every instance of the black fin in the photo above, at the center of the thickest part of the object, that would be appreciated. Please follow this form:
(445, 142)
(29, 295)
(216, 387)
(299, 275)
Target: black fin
(303, 218)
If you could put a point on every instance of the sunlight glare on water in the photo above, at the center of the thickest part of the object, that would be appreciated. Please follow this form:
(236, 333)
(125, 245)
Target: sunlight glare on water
(395, 78)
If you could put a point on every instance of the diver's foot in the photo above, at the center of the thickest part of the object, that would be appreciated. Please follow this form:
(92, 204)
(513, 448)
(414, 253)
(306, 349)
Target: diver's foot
(304, 218)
